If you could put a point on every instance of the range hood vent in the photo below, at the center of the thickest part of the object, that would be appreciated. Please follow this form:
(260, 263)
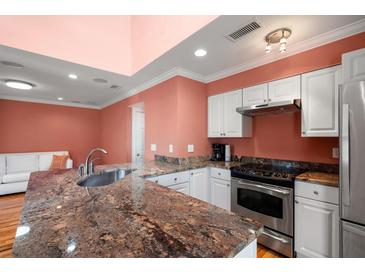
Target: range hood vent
(238, 34)
(271, 108)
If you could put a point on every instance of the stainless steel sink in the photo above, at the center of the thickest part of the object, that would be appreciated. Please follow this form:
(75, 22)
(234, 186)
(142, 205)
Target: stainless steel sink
(104, 178)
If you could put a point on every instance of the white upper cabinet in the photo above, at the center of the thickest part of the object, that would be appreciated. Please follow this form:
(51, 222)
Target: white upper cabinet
(215, 116)
(285, 89)
(232, 119)
(320, 102)
(224, 120)
(353, 64)
(255, 95)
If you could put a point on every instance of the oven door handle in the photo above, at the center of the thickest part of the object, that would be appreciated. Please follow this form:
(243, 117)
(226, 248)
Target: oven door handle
(281, 191)
(275, 237)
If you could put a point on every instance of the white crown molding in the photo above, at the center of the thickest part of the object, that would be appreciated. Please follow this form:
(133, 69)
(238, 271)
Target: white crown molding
(176, 71)
(48, 102)
(319, 40)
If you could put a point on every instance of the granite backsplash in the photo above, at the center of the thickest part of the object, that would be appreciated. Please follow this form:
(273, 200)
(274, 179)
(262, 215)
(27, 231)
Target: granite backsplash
(310, 166)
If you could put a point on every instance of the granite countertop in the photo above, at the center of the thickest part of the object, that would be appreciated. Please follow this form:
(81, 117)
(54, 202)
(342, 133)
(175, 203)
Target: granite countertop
(130, 218)
(328, 179)
(157, 168)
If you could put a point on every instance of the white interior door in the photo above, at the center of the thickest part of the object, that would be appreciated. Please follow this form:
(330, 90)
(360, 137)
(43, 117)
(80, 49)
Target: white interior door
(138, 134)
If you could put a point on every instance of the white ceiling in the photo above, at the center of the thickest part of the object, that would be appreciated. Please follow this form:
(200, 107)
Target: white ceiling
(224, 58)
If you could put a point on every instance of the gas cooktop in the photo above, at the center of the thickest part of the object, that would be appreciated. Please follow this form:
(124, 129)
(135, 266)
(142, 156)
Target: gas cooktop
(276, 175)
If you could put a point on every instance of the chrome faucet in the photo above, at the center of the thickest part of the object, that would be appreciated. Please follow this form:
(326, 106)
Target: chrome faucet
(88, 167)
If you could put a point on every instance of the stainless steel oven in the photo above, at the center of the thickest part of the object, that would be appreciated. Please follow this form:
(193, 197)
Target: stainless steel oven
(270, 205)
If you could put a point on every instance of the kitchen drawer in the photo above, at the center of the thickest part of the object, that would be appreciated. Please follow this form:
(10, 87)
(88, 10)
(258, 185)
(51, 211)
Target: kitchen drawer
(317, 192)
(219, 173)
(182, 187)
(173, 178)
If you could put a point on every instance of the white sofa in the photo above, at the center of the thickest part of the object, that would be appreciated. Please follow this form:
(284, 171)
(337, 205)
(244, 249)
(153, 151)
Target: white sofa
(15, 169)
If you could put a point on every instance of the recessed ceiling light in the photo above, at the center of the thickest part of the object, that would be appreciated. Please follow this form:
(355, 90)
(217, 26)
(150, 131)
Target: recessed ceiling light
(72, 76)
(200, 52)
(18, 84)
(11, 64)
(59, 98)
(100, 80)
(114, 86)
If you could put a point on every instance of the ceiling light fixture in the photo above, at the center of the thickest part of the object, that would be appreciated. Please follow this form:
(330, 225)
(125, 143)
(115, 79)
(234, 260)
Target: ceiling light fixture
(200, 52)
(72, 76)
(19, 84)
(278, 36)
(60, 99)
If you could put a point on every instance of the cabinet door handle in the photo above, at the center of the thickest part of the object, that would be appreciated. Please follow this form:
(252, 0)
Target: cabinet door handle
(296, 201)
(315, 192)
(192, 174)
(269, 100)
(156, 181)
(219, 173)
(228, 185)
(175, 179)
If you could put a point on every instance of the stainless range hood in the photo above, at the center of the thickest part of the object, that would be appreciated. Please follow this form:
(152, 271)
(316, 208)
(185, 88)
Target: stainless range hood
(271, 108)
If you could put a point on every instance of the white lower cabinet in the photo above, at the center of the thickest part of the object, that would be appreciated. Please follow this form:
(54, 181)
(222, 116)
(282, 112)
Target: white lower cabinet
(183, 188)
(199, 184)
(215, 189)
(316, 226)
(220, 193)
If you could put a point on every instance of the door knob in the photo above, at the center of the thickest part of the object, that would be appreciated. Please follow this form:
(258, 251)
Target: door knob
(137, 154)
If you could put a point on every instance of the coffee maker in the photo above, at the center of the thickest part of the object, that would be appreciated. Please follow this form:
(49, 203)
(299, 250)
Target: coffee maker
(221, 152)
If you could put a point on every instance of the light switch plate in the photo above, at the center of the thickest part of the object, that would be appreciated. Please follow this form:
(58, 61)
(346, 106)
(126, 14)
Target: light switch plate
(335, 152)
(171, 148)
(153, 147)
(190, 148)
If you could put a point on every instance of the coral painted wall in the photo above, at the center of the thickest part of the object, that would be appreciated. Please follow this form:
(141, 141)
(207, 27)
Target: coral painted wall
(278, 136)
(192, 117)
(32, 127)
(175, 113)
(160, 122)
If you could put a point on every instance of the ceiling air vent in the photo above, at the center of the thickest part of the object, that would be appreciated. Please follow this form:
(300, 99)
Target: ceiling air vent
(238, 34)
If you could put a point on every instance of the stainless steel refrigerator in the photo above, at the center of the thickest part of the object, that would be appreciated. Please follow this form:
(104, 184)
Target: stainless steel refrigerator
(352, 169)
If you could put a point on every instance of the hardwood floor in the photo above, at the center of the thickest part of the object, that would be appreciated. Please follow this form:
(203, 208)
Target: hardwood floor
(10, 209)
(264, 252)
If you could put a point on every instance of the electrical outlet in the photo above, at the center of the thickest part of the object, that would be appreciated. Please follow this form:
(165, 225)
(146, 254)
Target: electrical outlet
(190, 148)
(335, 152)
(171, 148)
(153, 147)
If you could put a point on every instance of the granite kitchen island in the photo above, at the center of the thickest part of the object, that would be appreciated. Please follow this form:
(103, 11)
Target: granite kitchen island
(129, 218)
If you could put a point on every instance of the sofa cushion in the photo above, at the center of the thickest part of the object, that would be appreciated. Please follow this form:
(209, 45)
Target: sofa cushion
(15, 177)
(21, 163)
(45, 159)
